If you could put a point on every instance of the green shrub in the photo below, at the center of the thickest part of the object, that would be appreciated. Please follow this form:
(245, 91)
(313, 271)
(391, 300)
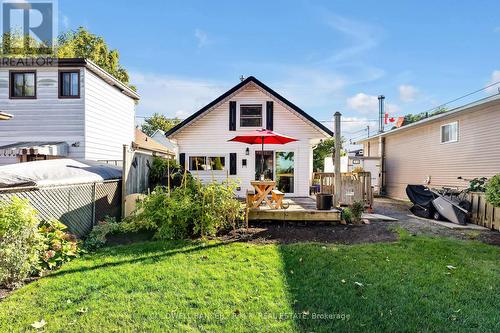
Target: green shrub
(192, 209)
(59, 246)
(219, 208)
(97, 238)
(357, 209)
(347, 215)
(477, 184)
(20, 242)
(169, 215)
(159, 169)
(493, 190)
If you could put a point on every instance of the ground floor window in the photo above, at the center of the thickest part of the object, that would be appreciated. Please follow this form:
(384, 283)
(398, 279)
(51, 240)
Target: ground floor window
(216, 163)
(205, 163)
(197, 163)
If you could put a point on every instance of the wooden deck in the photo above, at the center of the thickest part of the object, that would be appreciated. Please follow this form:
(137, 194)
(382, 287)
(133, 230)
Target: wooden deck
(300, 209)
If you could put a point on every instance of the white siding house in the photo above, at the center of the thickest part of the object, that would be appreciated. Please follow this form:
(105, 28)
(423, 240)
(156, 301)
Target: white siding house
(203, 138)
(91, 119)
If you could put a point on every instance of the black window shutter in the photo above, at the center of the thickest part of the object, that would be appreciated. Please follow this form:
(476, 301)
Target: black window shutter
(269, 115)
(182, 160)
(232, 115)
(232, 163)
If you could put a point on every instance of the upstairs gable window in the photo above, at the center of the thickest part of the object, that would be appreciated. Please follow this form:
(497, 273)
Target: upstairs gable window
(251, 115)
(69, 84)
(23, 84)
(449, 132)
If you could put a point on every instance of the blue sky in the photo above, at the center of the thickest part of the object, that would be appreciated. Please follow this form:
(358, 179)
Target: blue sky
(324, 56)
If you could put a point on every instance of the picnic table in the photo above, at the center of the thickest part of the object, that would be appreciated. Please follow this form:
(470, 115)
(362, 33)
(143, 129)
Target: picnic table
(264, 188)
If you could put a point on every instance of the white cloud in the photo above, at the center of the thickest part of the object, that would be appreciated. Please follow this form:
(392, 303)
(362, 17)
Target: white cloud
(65, 22)
(407, 93)
(181, 114)
(362, 37)
(355, 127)
(368, 104)
(202, 37)
(495, 77)
(173, 96)
(308, 88)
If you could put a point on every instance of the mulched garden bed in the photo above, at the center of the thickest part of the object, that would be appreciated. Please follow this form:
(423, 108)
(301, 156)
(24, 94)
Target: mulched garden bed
(294, 232)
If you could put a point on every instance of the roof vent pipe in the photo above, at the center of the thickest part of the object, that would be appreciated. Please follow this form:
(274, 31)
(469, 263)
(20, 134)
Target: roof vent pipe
(381, 99)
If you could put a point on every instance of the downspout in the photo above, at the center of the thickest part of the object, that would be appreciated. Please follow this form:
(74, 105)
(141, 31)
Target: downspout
(337, 176)
(381, 144)
(381, 148)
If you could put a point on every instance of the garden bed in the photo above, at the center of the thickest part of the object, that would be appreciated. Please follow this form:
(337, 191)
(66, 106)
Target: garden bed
(294, 232)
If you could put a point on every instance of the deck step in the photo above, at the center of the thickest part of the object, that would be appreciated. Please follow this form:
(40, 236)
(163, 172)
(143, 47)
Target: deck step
(299, 209)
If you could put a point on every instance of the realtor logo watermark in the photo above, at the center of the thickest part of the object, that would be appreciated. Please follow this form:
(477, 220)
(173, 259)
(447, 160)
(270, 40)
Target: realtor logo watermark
(28, 27)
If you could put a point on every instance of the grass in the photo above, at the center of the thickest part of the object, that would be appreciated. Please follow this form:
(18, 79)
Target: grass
(211, 287)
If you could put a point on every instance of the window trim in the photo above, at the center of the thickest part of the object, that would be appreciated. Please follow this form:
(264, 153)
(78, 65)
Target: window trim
(441, 132)
(60, 85)
(262, 119)
(11, 84)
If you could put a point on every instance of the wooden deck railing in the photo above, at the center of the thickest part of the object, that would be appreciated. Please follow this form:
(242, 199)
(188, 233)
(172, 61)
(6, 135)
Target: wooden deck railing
(355, 186)
(483, 213)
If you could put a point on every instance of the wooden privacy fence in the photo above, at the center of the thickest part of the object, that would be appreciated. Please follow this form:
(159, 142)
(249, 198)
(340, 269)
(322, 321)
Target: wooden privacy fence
(483, 213)
(355, 186)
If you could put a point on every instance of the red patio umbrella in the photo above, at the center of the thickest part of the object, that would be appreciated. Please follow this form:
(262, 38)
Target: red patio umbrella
(263, 136)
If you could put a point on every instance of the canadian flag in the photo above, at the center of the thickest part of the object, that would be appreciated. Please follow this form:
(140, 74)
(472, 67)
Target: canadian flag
(399, 121)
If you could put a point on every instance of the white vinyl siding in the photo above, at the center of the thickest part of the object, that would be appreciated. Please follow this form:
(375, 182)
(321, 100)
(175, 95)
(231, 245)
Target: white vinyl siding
(109, 119)
(209, 134)
(46, 118)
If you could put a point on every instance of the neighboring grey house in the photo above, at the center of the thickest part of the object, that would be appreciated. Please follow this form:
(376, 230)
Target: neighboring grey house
(203, 146)
(463, 142)
(159, 136)
(74, 109)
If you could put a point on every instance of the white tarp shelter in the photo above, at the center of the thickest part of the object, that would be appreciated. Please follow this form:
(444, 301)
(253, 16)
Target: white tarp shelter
(56, 172)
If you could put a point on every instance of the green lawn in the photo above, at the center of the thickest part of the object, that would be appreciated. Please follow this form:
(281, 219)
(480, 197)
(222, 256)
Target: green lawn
(191, 287)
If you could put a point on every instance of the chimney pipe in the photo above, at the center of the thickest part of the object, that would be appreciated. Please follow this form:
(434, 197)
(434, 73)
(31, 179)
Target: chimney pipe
(381, 99)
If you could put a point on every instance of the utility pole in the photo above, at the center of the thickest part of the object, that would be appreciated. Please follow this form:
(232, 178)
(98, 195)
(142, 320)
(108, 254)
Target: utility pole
(368, 130)
(337, 176)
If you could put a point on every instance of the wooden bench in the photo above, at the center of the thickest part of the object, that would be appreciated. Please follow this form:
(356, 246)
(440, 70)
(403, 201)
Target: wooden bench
(277, 196)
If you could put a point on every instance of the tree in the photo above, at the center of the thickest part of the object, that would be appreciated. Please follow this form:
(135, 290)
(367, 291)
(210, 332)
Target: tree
(412, 118)
(80, 43)
(84, 44)
(158, 122)
(323, 149)
(14, 45)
